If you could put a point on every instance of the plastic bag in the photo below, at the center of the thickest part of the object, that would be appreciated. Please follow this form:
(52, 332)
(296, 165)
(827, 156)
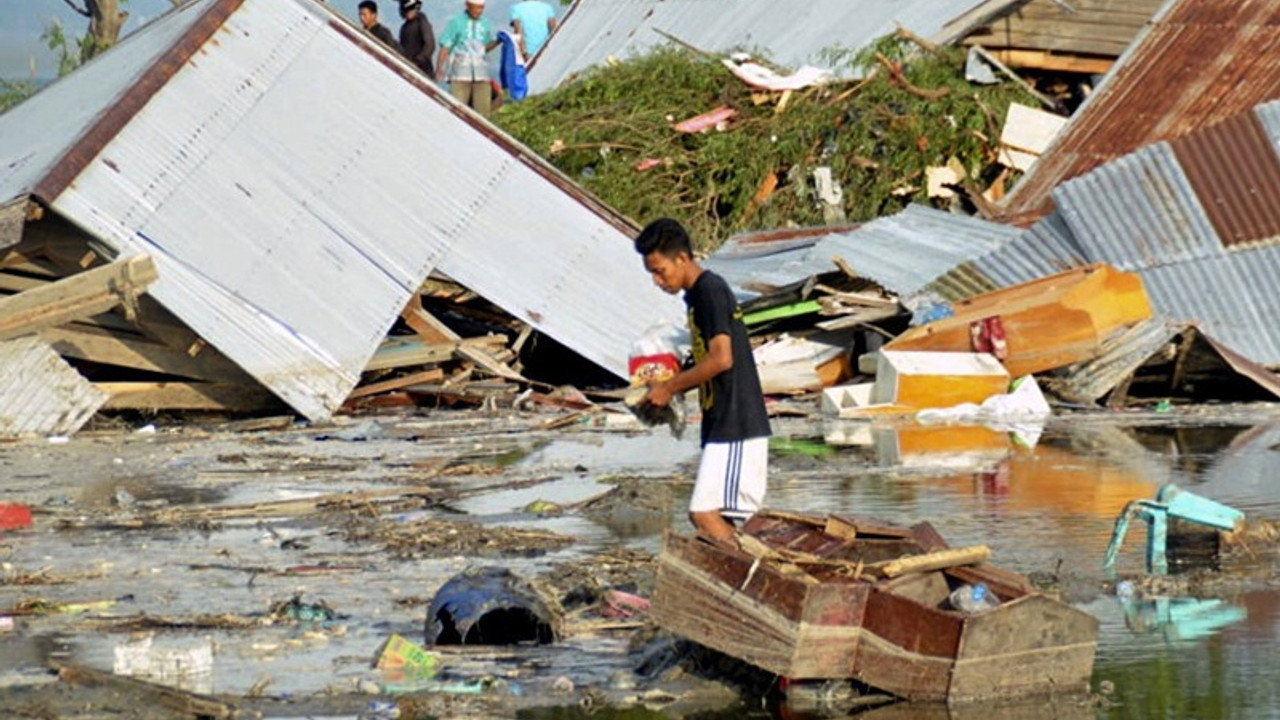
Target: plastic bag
(656, 355)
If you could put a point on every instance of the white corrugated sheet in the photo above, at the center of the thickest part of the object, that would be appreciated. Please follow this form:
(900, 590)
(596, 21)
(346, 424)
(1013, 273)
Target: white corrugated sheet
(294, 190)
(792, 33)
(40, 394)
(902, 252)
(36, 133)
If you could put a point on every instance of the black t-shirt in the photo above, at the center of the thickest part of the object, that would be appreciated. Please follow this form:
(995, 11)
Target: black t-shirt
(732, 402)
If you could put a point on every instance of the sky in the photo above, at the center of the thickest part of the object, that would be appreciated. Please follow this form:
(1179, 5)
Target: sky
(22, 21)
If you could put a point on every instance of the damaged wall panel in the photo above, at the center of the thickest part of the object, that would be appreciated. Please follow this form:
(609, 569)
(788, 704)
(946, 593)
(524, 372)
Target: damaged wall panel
(40, 394)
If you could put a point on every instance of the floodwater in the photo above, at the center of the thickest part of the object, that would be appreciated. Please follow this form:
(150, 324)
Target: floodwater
(1044, 502)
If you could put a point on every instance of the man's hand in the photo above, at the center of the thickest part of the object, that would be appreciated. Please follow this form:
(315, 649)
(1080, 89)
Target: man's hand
(659, 393)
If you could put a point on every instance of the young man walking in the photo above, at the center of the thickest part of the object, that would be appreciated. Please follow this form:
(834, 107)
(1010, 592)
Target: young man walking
(735, 425)
(369, 19)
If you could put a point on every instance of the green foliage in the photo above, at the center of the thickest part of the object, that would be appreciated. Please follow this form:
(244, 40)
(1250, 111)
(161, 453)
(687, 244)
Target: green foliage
(70, 52)
(878, 137)
(14, 92)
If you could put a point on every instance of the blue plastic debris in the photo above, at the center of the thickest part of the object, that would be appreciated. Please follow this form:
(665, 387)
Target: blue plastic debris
(1171, 502)
(490, 606)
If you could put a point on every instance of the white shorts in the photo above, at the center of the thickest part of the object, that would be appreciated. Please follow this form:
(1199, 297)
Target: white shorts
(732, 478)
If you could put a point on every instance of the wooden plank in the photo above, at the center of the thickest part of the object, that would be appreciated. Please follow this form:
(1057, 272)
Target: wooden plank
(76, 297)
(13, 218)
(401, 352)
(938, 560)
(1057, 62)
(228, 397)
(20, 283)
(425, 376)
(428, 326)
(98, 345)
(183, 703)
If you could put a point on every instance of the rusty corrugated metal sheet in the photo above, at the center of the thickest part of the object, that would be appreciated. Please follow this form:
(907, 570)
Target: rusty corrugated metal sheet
(40, 394)
(1198, 62)
(1235, 172)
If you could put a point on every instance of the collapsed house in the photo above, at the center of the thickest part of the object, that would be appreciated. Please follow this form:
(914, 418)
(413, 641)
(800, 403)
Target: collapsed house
(1080, 37)
(258, 231)
(1163, 87)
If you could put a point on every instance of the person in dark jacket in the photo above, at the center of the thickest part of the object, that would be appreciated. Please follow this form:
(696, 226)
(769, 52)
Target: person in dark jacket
(417, 39)
(369, 19)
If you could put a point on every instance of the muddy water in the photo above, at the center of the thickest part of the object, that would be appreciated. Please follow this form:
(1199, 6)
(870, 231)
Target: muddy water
(1045, 504)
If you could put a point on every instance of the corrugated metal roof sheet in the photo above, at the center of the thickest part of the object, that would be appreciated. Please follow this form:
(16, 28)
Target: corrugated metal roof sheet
(36, 133)
(793, 34)
(291, 219)
(1138, 211)
(1231, 297)
(40, 394)
(1198, 62)
(901, 252)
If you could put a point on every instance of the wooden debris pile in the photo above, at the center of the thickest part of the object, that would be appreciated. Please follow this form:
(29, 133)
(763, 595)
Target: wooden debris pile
(427, 362)
(79, 334)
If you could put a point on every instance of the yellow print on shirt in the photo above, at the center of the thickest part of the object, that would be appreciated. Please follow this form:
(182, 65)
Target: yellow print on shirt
(705, 398)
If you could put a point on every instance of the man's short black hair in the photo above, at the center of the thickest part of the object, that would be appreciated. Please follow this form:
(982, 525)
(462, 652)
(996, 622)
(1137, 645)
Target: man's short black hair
(664, 236)
(369, 5)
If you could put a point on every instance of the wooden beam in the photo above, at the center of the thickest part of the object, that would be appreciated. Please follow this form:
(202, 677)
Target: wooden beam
(110, 348)
(180, 702)
(399, 352)
(426, 376)
(79, 296)
(938, 560)
(1056, 62)
(227, 397)
(428, 326)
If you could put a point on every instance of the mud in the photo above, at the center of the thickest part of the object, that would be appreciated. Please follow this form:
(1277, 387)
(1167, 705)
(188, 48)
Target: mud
(292, 553)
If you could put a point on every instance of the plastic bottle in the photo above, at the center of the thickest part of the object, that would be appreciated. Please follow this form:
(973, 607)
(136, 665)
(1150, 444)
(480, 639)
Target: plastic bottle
(973, 598)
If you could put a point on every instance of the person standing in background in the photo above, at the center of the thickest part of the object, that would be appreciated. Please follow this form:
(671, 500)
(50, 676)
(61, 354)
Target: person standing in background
(369, 19)
(533, 20)
(417, 38)
(466, 40)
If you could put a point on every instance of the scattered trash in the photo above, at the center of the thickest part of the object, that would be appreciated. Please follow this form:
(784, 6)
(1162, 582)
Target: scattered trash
(619, 604)
(971, 599)
(186, 668)
(491, 606)
(717, 119)
(402, 660)
(295, 609)
(14, 516)
(544, 508)
(764, 78)
(6, 623)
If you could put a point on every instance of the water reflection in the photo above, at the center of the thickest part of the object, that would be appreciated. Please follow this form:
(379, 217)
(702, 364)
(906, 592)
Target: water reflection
(1053, 506)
